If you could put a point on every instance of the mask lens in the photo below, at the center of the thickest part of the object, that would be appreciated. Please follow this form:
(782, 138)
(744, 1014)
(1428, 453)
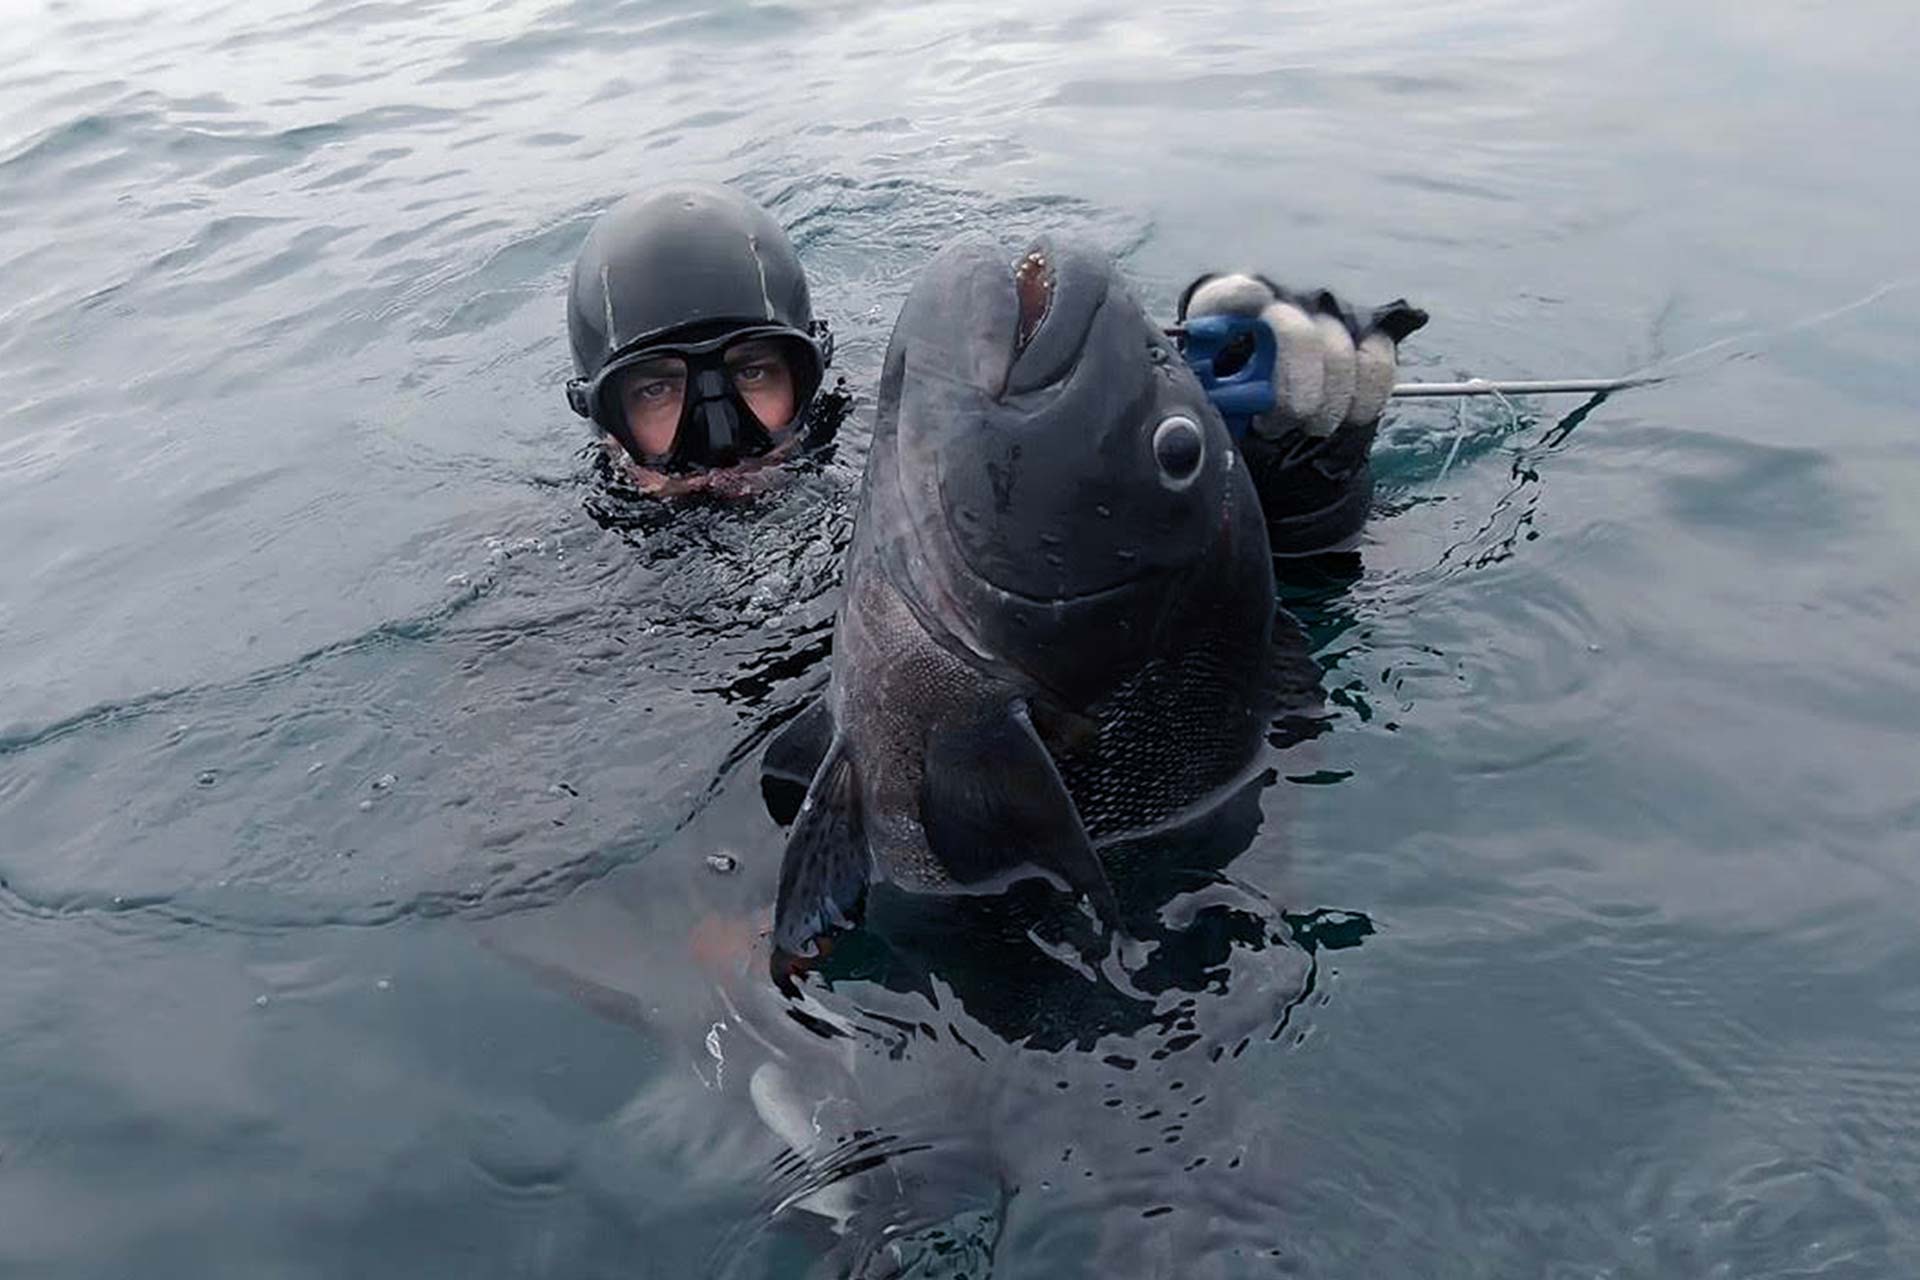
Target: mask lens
(762, 372)
(709, 402)
(652, 395)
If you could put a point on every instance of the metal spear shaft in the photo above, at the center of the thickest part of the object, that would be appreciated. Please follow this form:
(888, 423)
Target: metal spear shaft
(1489, 387)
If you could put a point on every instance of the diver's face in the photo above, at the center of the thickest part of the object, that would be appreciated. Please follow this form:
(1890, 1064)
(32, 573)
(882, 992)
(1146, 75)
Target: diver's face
(762, 375)
(653, 392)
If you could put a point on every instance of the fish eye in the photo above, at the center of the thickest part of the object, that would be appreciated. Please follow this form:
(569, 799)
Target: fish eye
(1179, 448)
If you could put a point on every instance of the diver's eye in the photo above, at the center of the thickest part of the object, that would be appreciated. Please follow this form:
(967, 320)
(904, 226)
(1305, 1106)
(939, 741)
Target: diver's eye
(1179, 448)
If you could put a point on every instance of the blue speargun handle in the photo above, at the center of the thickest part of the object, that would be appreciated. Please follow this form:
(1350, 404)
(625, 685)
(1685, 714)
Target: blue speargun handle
(1233, 358)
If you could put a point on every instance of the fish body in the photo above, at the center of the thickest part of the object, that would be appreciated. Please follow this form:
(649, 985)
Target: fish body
(1058, 606)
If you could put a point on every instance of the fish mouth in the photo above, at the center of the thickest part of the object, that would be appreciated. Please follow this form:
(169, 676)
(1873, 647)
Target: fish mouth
(946, 607)
(1109, 591)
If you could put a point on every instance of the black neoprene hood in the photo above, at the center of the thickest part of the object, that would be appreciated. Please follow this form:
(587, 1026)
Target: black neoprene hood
(685, 259)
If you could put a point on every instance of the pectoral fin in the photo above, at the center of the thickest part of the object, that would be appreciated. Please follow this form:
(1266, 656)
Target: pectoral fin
(995, 811)
(824, 875)
(793, 758)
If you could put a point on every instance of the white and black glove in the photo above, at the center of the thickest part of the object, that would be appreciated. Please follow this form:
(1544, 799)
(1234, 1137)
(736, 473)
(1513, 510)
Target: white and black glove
(1331, 368)
(1332, 374)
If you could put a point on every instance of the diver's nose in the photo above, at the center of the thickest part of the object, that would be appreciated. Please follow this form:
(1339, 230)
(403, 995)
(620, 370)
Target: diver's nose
(720, 420)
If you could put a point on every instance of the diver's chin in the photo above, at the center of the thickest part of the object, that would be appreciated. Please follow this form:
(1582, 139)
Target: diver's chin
(747, 478)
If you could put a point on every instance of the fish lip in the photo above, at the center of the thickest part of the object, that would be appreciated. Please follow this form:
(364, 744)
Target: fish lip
(939, 603)
(945, 619)
(1078, 597)
(945, 614)
(964, 563)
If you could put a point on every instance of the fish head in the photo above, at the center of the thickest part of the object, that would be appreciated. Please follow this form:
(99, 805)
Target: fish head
(1055, 470)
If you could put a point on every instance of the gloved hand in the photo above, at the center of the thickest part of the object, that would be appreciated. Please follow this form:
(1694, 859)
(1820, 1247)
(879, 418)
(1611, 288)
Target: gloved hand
(1332, 369)
(1309, 456)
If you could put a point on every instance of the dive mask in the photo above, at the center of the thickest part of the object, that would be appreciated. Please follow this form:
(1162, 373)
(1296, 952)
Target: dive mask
(683, 405)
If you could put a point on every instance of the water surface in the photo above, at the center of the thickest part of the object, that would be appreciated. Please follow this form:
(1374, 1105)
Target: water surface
(320, 677)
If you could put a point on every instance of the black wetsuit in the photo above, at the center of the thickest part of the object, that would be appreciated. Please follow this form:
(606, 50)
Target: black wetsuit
(1315, 490)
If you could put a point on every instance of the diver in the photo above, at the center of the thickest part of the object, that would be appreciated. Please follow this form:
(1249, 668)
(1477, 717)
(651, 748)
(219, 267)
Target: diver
(695, 350)
(697, 357)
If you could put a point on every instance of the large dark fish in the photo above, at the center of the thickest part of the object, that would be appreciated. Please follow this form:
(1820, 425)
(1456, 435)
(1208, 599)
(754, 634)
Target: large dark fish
(1058, 603)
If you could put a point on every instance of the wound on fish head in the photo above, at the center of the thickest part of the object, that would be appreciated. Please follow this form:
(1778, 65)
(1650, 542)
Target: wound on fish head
(1033, 285)
(1061, 468)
